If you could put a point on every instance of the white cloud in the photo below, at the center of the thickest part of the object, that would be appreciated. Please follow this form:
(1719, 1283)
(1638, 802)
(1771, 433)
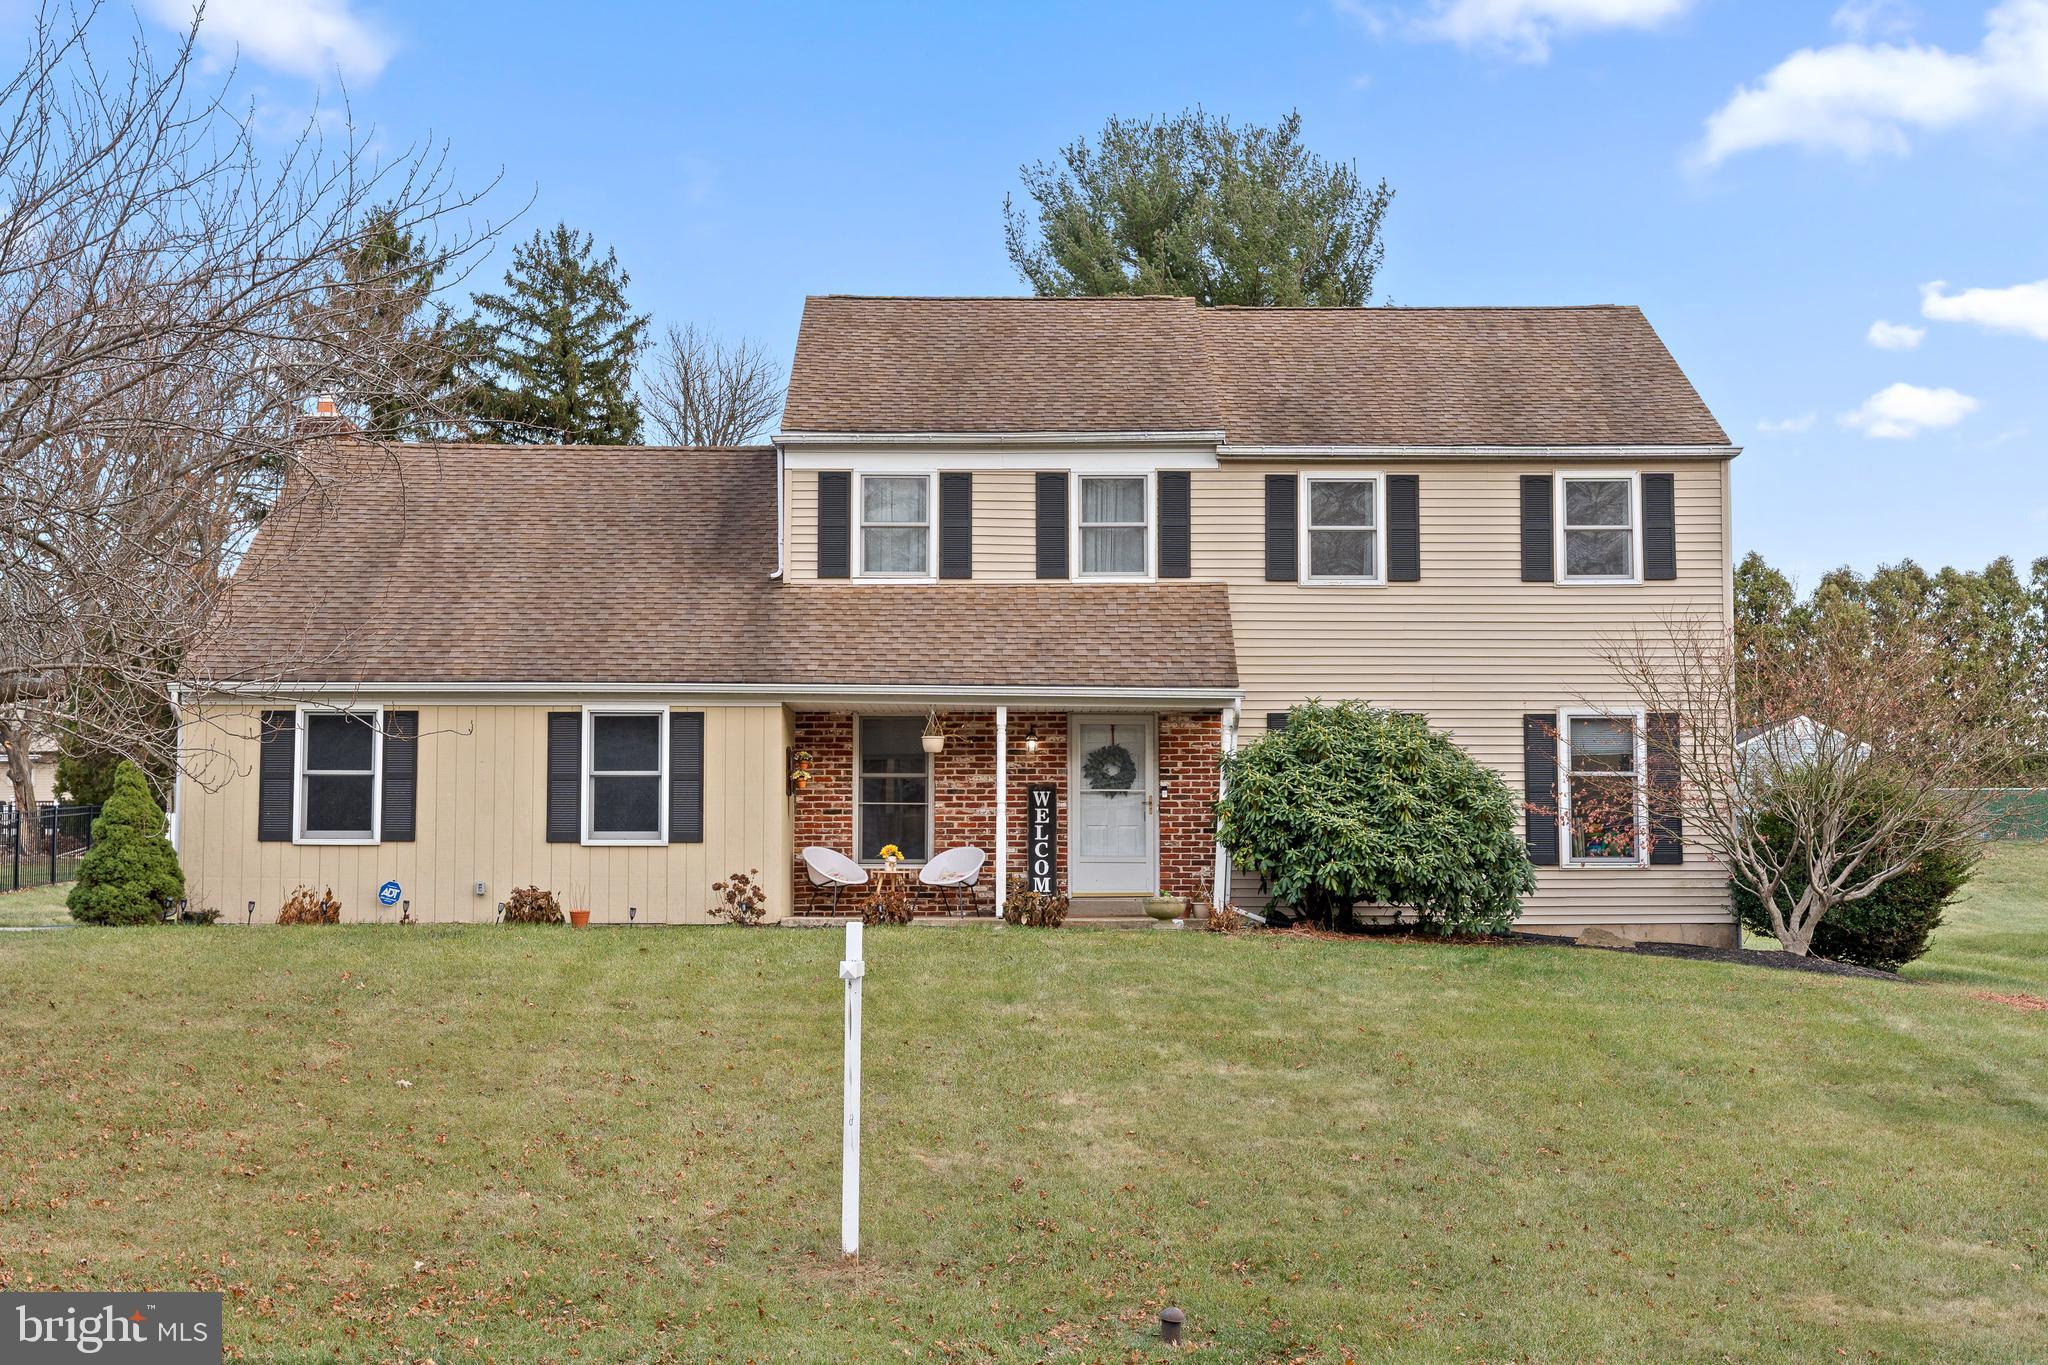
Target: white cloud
(310, 38)
(1861, 98)
(1861, 19)
(2016, 308)
(1894, 336)
(1526, 28)
(1788, 425)
(1902, 411)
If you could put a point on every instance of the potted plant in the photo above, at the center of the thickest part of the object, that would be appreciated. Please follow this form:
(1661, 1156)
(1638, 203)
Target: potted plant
(800, 770)
(934, 734)
(1163, 907)
(579, 919)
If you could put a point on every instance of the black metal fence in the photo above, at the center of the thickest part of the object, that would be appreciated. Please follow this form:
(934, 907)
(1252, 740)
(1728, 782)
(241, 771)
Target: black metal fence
(66, 835)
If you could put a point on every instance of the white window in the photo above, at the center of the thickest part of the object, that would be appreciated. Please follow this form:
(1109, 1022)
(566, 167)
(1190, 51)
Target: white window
(1599, 529)
(625, 776)
(1342, 514)
(1115, 538)
(1601, 795)
(896, 525)
(340, 759)
(893, 803)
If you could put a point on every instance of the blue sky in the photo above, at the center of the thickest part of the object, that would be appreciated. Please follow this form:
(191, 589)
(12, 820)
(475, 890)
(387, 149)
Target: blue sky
(1767, 179)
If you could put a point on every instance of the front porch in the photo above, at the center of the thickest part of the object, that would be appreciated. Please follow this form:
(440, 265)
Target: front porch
(1131, 792)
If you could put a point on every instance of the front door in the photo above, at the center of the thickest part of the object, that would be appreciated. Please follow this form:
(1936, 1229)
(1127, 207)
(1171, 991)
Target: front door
(1110, 849)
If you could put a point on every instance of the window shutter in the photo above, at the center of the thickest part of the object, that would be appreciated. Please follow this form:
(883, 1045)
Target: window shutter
(1539, 786)
(1537, 544)
(1404, 528)
(1052, 526)
(1175, 534)
(278, 740)
(1275, 720)
(1283, 507)
(565, 777)
(956, 526)
(835, 524)
(401, 776)
(1667, 823)
(1660, 528)
(686, 777)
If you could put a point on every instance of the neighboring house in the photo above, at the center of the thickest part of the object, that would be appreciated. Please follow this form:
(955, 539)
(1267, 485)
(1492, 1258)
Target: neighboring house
(1793, 742)
(1106, 540)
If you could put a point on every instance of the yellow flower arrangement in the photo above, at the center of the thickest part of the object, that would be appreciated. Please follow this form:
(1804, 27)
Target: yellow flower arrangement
(890, 853)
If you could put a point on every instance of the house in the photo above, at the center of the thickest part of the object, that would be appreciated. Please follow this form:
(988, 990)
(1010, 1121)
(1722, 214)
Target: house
(1094, 542)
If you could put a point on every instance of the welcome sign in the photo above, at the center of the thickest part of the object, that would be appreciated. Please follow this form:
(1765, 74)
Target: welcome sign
(1042, 846)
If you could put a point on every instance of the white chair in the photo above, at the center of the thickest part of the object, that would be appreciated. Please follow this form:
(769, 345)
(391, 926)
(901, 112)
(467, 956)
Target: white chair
(828, 868)
(957, 869)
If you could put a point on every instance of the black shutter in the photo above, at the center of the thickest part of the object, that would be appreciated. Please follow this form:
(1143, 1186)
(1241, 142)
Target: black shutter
(835, 524)
(401, 776)
(1404, 528)
(1539, 786)
(686, 777)
(1052, 526)
(1283, 508)
(1536, 530)
(565, 777)
(279, 741)
(956, 526)
(1275, 720)
(1660, 528)
(1667, 824)
(1175, 543)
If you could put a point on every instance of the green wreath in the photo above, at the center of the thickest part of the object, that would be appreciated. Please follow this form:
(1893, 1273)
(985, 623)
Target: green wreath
(1110, 768)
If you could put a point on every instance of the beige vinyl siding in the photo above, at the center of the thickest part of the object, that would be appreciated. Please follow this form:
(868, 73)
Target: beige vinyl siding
(1470, 646)
(482, 818)
(1005, 525)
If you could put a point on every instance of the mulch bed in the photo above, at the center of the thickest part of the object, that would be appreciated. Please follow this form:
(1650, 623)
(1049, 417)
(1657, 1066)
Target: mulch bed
(1740, 957)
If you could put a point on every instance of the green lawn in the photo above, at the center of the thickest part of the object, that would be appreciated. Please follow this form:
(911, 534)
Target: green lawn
(518, 1145)
(36, 905)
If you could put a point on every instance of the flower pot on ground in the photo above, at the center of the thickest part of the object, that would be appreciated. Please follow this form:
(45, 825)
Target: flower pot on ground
(1163, 907)
(578, 918)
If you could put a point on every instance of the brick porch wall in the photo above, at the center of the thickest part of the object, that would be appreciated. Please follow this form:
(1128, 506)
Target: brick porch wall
(964, 790)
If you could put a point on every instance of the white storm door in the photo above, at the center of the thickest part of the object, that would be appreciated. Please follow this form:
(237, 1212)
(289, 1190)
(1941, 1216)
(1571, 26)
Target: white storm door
(1110, 848)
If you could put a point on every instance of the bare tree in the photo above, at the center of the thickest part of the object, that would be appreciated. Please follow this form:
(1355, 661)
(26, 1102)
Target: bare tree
(1859, 763)
(168, 304)
(702, 392)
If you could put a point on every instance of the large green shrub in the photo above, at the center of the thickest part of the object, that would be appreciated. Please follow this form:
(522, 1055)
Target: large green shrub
(1350, 805)
(131, 874)
(1889, 927)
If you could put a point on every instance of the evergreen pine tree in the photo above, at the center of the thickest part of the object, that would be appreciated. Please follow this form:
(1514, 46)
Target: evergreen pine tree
(131, 875)
(551, 359)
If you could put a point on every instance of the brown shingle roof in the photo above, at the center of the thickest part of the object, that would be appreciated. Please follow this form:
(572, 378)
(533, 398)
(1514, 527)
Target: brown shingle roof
(1264, 376)
(541, 564)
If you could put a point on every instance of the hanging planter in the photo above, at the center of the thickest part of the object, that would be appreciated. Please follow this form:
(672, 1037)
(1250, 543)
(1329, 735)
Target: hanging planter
(800, 770)
(934, 735)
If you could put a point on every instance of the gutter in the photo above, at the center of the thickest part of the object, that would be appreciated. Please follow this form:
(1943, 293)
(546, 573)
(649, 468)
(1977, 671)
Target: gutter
(997, 438)
(797, 694)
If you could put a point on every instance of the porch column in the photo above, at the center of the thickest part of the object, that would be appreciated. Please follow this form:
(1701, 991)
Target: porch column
(1002, 805)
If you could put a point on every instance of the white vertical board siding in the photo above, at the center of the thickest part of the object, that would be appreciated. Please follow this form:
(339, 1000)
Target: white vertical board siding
(1470, 646)
(483, 818)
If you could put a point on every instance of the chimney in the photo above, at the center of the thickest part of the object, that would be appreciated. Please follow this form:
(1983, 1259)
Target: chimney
(326, 406)
(325, 419)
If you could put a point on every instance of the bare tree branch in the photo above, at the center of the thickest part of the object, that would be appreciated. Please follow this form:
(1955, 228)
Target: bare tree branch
(702, 392)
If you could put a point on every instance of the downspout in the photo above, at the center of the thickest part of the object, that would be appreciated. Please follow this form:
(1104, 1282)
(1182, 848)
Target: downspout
(1230, 719)
(1002, 806)
(781, 517)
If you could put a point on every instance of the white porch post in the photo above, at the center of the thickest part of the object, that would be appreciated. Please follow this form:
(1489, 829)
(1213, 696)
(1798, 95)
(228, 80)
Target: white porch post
(1002, 805)
(1230, 718)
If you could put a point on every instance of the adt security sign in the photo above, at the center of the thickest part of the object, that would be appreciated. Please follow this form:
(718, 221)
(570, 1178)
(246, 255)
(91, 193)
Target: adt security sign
(390, 892)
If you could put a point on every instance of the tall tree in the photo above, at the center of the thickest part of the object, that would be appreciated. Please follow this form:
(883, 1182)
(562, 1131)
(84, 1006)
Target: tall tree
(704, 392)
(551, 359)
(1194, 206)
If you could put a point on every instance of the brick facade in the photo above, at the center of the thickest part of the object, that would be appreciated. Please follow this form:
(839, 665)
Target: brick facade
(964, 789)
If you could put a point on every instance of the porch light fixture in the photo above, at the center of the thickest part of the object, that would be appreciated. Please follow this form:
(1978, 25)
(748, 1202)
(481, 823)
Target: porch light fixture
(1031, 740)
(252, 913)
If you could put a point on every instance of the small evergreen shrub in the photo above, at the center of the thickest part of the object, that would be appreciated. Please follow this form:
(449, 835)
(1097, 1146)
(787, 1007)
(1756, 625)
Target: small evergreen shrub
(131, 875)
(1350, 805)
(531, 905)
(1037, 909)
(742, 899)
(1886, 929)
(304, 907)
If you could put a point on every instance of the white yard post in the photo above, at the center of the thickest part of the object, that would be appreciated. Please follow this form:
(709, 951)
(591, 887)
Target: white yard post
(851, 969)
(1002, 807)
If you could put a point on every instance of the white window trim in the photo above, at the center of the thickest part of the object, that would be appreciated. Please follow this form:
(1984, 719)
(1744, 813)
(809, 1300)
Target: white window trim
(299, 835)
(1640, 718)
(931, 798)
(594, 840)
(1151, 573)
(1378, 578)
(1635, 525)
(931, 526)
